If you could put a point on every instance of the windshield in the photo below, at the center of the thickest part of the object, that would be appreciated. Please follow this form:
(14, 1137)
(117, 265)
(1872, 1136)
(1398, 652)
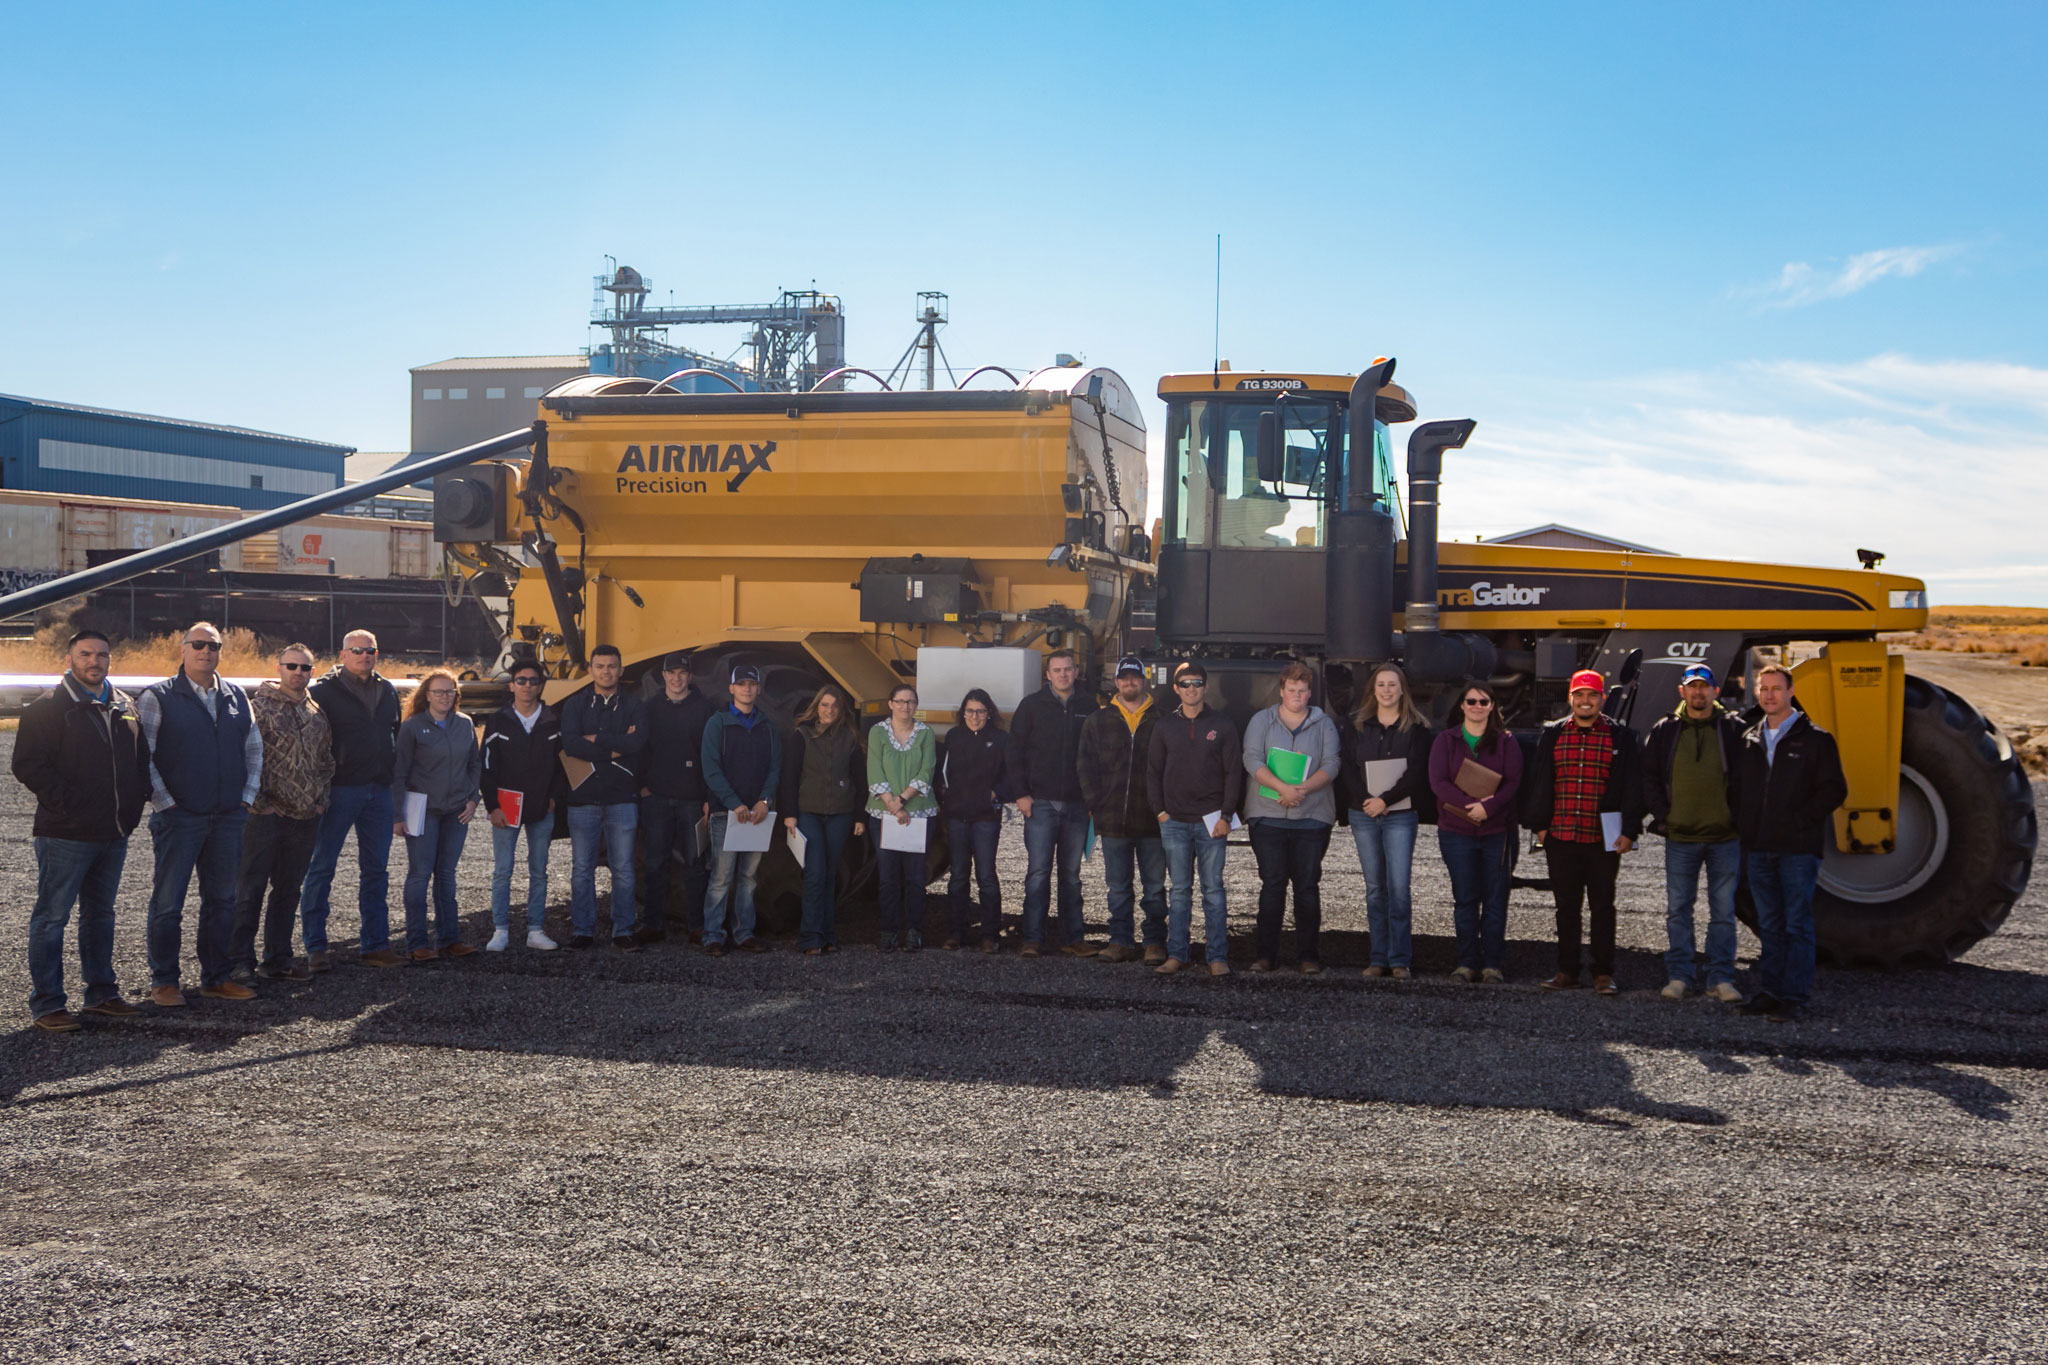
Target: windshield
(1213, 471)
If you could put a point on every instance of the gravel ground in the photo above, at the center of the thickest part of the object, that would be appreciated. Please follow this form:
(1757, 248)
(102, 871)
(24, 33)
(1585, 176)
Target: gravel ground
(952, 1157)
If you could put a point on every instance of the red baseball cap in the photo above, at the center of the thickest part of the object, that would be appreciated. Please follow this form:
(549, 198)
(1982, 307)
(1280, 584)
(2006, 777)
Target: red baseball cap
(1586, 677)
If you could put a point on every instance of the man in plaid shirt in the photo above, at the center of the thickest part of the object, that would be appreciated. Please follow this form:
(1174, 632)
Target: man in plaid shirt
(1586, 775)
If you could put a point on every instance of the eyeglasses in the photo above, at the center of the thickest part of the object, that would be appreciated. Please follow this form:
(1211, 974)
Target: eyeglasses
(903, 701)
(1481, 702)
(440, 691)
(974, 710)
(202, 644)
(362, 649)
(299, 668)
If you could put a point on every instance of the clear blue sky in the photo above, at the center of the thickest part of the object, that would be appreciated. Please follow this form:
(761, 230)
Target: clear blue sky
(1763, 281)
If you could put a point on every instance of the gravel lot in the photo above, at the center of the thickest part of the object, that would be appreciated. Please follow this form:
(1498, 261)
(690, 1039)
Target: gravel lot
(953, 1157)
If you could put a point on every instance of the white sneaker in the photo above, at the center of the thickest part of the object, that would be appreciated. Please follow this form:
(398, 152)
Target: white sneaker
(498, 942)
(1674, 989)
(1726, 993)
(540, 942)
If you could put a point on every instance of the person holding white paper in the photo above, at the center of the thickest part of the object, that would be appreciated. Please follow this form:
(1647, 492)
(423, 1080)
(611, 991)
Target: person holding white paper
(1385, 771)
(824, 783)
(1194, 774)
(742, 758)
(1585, 777)
(437, 760)
(903, 761)
(522, 783)
(1291, 814)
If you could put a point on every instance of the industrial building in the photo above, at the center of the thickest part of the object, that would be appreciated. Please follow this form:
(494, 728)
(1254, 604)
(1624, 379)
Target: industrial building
(473, 398)
(51, 447)
(1560, 537)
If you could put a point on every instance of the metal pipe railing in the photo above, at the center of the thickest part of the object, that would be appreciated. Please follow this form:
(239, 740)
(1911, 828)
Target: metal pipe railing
(191, 547)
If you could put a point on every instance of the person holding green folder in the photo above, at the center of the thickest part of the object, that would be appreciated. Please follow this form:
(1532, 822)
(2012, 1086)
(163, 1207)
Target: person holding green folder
(1291, 751)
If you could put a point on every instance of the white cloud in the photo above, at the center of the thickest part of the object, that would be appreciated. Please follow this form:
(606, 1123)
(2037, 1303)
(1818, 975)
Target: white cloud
(1799, 283)
(1941, 465)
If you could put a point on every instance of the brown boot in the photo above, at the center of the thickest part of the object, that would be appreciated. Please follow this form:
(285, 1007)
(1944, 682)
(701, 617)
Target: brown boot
(228, 990)
(1116, 952)
(166, 997)
(1155, 953)
(1078, 949)
(383, 957)
(322, 961)
(58, 1021)
(425, 955)
(458, 949)
(1170, 966)
(1563, 981)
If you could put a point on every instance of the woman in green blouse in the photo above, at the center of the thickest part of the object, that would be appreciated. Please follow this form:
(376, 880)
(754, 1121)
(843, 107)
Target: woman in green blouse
(902, 762)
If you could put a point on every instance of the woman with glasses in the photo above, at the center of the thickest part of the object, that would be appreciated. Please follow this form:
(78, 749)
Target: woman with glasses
(1475, 769)
(1386, 775)
(902, 770)
(438, 769)
(824, 777)
(971, 777)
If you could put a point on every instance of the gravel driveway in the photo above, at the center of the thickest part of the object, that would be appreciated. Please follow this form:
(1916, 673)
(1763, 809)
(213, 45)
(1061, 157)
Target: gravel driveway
(953, 1157)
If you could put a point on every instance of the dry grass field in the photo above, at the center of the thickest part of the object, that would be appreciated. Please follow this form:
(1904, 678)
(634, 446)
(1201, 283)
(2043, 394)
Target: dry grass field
(2021, 632)
(244, 656)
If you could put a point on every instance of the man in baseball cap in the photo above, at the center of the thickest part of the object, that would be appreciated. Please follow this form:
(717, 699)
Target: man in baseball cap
(1115, 742)
(1689, 770)
(1583, 799)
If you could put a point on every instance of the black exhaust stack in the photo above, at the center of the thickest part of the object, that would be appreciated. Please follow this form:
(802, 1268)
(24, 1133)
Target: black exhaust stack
(1358, 564)
(1428, 654)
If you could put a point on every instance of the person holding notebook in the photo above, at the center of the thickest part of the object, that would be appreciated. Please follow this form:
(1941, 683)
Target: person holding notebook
(523, 782)
(1584, 802)
(1291, 753)
(1475, 770)
(1386, 767)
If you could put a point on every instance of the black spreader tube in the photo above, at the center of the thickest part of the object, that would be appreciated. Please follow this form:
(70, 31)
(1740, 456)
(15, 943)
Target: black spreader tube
(191, 547)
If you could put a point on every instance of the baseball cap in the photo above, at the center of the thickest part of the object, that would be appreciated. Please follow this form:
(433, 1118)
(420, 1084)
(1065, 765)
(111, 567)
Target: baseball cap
(1696, 673)
(679, 659)
(746, 673)
(1586, 677)
(1130, 663)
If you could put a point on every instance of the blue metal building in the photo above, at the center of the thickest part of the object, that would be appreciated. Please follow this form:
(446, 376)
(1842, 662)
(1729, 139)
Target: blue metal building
(49, 447)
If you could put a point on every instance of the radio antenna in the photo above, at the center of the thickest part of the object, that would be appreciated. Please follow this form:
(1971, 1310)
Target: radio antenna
(1216, 342)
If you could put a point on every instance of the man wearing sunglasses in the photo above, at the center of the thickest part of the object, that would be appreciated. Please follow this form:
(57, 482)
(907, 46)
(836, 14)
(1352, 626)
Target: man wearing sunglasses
(1194, 773)
(205, 768)
(277, 844)
(362, 716)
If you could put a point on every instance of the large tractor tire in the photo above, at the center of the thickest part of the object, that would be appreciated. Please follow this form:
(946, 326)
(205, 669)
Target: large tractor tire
(1965, 846)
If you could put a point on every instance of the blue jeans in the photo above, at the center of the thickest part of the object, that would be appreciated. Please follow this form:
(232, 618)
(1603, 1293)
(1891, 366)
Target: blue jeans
(505, 848)
(611, 827)
(1054, 830)
(1782, 885)
(1189, 847)
(1478, 864)
(974, 841)
(433, 854)
(732, 880)
(1682, 864)
(85, 874)
(1386, 859)
(825, 839)
(668, 835)
(211, 845)
(368, 812)
(1119, 856)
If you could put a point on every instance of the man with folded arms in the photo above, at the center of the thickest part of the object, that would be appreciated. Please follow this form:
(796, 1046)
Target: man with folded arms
(277, 845)
(1689, 767)
(80, 749)
(1586, 767)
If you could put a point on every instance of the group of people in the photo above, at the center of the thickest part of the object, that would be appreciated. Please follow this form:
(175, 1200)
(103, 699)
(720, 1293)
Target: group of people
(257, 795)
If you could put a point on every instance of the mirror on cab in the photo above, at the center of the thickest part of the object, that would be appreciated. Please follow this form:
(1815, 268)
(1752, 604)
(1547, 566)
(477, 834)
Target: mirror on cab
(1272, 464)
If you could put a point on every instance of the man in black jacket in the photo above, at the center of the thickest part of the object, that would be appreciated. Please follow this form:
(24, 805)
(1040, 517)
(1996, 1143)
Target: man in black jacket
(1194, 779)
(1689, 765)
(1789, 783)
(604, 728)
(1582, 799)
(362, 715)
(1045, 744)
(80, 750)
(1115, 742)
(522, 774)
(672, 800)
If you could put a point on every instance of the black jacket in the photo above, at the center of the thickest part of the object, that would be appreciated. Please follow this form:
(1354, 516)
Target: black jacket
(1660, 754)
(973, 774)
(1045, 745)
(620, 724)
(1373, 742)
(1624, 789)
(1112, 763)
(365, 737)
(527, 763)
(1787, 805)
(90, 777)
(671, 763)
(1194, 767)
(847, 789)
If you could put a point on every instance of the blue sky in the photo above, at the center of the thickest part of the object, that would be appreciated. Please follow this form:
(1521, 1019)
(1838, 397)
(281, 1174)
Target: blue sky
(1762, 281)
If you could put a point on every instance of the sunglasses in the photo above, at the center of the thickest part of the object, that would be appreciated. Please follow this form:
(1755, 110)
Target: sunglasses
(202, 644)
(1481, 702)
(1192, 682)
(527, 681)
(362, 649)
(299, 668)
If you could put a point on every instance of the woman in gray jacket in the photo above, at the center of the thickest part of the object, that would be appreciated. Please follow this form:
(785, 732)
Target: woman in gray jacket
(438, 760)
(1291, 753)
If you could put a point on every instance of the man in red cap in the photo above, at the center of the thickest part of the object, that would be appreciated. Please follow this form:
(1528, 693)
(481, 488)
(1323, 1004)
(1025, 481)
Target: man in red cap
(1583, 799)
